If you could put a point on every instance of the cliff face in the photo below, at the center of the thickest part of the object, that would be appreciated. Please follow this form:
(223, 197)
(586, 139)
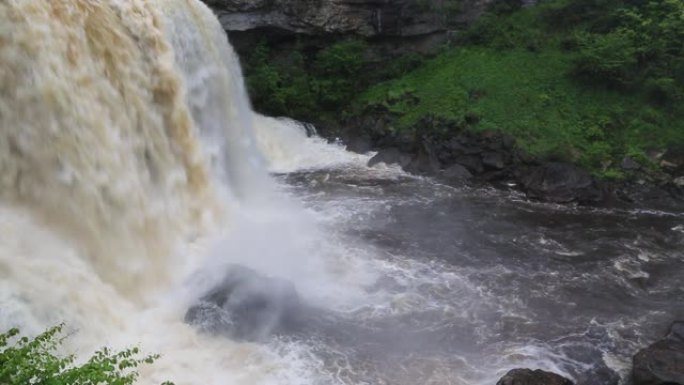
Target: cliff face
(360, 17)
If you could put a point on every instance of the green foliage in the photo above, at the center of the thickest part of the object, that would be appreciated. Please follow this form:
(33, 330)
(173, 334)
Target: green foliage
(587, 81)
(302, 87)
(275, 90)
(338, 71)
(33, 361)
(641, 50)
(311, 86)
(610, 58)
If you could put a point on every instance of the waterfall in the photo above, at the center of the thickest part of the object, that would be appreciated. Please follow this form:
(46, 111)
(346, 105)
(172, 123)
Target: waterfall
(126, 140)
(121, 122)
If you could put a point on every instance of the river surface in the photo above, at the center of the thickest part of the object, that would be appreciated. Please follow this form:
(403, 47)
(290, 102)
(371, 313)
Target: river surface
(471, 282)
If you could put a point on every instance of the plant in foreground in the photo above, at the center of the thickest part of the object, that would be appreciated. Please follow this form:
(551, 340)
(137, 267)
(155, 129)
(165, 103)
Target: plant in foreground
(35, 362)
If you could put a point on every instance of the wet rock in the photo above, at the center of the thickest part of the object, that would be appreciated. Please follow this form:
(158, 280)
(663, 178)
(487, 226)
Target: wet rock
(679, 182)
(508, 142)
(425, 162)
(361, 144)
(532, 377)
(472, 162)
(456, 173)
(663, 362)
(629, 164)
(247, 306)
(673, 161)
(493, 160)
(389, 156)
(560, 183)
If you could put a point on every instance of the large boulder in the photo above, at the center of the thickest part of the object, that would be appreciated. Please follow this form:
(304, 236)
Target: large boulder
(246, 305)
(663, 362)
(532, 377)
(560, 183)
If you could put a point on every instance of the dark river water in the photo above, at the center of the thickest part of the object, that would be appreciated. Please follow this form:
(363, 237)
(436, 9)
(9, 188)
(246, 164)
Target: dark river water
(478, 281)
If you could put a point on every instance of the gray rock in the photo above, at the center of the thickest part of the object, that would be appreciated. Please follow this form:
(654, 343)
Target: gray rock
(673, 160)
(390, 156)
(629, 164)
(247, 306)
(457, 172)
(679, 182)
(532, 377)
(560, 183)
(663, 362)
(425, 161)
(361, 17)
(360, 144)
(508, 142)
(472, 162)
(493, 160)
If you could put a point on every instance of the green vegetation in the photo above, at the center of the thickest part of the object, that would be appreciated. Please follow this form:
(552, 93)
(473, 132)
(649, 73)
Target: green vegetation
(320, 85)
(33, 361)
(588, 81)
(300, 86)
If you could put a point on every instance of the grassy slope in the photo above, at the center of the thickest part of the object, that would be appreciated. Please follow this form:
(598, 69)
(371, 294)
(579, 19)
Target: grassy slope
(529, 94)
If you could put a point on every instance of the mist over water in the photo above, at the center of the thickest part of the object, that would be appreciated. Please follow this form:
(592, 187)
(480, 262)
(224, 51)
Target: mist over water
(134, 172)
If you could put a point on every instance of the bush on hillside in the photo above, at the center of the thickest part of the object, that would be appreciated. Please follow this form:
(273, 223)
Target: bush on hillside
(643, 50)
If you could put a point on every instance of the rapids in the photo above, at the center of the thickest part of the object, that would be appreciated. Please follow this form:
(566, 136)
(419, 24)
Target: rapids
(132, 171)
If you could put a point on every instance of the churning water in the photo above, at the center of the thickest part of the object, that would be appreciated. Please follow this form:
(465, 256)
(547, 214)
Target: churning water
(132, 170)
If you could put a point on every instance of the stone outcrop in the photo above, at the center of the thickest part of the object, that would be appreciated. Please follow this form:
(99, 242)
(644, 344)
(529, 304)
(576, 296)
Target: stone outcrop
(560, 183)
(487, 157)
(663, 362)
(532, 377)
(359, 17)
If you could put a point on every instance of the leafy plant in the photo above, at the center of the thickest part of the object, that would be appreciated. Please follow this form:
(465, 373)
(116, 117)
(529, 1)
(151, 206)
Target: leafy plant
(34, 361)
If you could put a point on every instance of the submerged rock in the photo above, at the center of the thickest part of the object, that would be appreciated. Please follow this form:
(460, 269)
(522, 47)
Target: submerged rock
(560, 183)
(532, 377)
(663, 362)
(247, 305)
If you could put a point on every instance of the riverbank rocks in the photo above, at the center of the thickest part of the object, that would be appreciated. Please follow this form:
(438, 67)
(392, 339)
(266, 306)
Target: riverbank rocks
(532, 377)
(673, 161)
(246, 305)
(456, 173)
(560, 183)
(662, 363)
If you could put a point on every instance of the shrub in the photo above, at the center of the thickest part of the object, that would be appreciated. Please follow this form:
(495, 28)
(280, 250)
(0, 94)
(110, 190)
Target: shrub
(33, 361)
(339, 70)
(609, 58)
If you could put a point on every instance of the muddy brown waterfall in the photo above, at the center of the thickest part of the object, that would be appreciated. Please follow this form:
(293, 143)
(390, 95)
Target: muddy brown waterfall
(100, 134)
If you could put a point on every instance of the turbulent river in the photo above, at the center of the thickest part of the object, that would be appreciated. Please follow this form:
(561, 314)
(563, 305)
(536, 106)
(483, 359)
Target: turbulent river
(132, 171)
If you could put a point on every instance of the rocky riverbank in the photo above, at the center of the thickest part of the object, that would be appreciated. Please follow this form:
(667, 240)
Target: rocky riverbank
(444, 150)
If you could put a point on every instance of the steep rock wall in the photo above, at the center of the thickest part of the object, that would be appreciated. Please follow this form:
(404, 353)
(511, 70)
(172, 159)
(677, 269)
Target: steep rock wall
(360, 17)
